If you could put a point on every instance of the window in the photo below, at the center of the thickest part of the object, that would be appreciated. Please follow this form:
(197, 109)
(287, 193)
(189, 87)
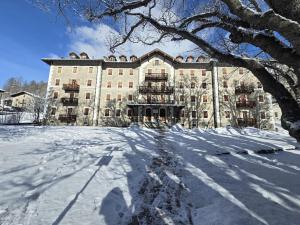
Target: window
(193, 98)
(193, 114)
(118, 112)
(181, 85)
(192, 73)
(181, 98)
(226, 98)
(224, 71)
(205, 114)
(149, 71)
(119, 98)
(156, 62)
(262, 115)
(225, 84)
(129, 112)
(86, 111)
(241, 71)
(108, 84)
(87, 95)
(259, 85)
(193, 85)
(203, 72)
(261, 98)
(205, 98)
(276, 114)
(120, 84)
(120, 71)
(53, 111)
(106, 112)
(109, 71)
(89, 83)
(57, 82)
(227, 114)
(130, 97)
(75, 69)
(163, 71)
(130, 84)
(204, 85)
(55, 95)
(131, 72)
(59, 69)
(90, 69)
(181, 72)
(108, 97)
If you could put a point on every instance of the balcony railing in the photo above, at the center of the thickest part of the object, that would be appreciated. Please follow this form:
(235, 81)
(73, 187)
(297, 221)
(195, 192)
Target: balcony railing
(154, 101)
(156, 77)
(69, 101)
(247, 122)
(71, 87)
(244, 89)
(67, 118)
(245, 104)
(156, 90)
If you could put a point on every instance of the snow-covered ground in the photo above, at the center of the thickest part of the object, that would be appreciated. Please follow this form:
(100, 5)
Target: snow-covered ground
(88, 175)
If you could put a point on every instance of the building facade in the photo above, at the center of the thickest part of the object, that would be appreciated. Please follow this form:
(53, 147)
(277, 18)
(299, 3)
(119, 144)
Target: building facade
(155, 88)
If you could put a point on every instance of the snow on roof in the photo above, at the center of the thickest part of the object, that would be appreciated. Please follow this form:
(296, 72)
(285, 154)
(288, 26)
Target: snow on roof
(1, 90)
(24, 92)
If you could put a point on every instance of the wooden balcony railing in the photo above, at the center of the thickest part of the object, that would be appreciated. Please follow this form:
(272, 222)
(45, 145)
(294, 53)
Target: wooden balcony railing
(247, 122)
(156, 77)
(245, 104)
(67, 118)
(156, 90)
(71, 87)
(244, 89)
(69, 101)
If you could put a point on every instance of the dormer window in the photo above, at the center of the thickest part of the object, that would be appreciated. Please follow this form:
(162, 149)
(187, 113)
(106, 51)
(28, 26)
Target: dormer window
(112, 58)
(190, 59)
(133, 58)
(83, 55)
(73, 55)
(123, 58)
(179, 58)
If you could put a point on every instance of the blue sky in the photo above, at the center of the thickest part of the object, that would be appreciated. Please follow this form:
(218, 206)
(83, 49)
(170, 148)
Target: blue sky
(27, 35)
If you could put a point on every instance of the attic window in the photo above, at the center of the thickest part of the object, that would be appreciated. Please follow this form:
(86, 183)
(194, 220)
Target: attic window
(156, 62)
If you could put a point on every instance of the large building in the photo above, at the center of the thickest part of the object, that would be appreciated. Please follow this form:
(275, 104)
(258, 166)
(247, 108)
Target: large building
(155, 88)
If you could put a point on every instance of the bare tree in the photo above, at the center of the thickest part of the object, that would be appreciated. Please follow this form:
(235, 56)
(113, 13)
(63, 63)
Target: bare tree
(248, 33)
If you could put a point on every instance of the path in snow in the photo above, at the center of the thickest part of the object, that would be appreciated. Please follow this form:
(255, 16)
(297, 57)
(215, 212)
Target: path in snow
(121, 176)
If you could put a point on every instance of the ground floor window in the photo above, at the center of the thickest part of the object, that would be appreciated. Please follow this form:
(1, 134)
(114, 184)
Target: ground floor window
(262, 115)
(118, 112)
(106, 112)
(227, 114)
(53, 111)
(86, 111)
(205, 114)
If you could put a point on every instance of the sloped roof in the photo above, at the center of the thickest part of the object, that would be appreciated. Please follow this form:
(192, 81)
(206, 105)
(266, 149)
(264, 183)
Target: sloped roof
(159, 52)
(22, 93)
(1, 90)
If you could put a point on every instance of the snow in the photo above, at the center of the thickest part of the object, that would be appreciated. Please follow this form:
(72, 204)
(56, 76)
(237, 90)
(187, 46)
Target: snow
(110, 176)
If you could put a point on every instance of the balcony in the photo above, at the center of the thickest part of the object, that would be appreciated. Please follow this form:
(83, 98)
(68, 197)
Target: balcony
(156, 102)
(69, 101)
(71, 87)
(67, 118)
(245, 104)
(156, 77)
(244, 89)
(156, 90)
(247, 122)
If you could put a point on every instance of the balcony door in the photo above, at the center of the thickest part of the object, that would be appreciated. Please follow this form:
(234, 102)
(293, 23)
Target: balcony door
(162, 114)
(148, 114)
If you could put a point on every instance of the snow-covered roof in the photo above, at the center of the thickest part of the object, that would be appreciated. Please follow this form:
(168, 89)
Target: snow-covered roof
(24, 92)
(1, 90)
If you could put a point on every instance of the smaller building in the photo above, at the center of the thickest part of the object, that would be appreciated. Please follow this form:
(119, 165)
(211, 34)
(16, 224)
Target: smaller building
(24, 100)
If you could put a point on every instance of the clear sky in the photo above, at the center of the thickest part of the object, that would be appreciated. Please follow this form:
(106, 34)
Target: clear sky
(27, 35)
